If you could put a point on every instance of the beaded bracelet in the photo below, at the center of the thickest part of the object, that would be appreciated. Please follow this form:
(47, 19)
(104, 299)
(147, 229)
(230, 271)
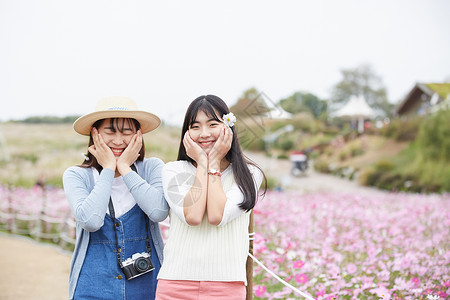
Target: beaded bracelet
(214, 172)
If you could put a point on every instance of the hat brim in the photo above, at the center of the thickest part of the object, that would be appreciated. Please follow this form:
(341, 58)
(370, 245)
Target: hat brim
(148, 121)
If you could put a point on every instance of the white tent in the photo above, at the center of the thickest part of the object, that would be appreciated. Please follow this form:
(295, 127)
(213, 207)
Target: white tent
(279, 113)
(356, 108)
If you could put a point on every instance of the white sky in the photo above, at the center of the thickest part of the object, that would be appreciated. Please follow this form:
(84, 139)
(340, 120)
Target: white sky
(59, 57)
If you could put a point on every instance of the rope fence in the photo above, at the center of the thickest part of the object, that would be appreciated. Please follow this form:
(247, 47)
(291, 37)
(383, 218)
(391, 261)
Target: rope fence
(41, 228)
(40, 213)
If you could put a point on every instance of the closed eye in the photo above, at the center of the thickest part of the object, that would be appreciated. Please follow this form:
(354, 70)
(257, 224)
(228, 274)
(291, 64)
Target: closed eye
(128, 132)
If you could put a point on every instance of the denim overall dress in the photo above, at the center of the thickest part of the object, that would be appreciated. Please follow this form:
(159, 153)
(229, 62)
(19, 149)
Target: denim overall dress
(101, 276)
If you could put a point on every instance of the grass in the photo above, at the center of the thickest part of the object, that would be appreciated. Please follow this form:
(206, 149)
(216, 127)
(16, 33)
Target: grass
(363, 151)
(32, 151)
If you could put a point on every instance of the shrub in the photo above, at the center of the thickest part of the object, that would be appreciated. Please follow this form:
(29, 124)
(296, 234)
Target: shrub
(282, 156)
(272, 183)
(356, 150)
(322, 166)
(372, 176)
(433, 139)
(343, 155)
(306, 123)
(403, 130)
(384, 166)
(286, 144)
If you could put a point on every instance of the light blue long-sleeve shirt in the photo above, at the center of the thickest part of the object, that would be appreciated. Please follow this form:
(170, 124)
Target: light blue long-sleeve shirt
(89, 200)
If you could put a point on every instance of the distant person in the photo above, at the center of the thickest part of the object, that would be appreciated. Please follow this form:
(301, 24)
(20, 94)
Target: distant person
(117, 198)
(41, 181)
(211, 190)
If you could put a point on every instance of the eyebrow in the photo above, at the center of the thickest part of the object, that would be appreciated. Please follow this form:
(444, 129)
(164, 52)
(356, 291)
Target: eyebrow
(210, 120)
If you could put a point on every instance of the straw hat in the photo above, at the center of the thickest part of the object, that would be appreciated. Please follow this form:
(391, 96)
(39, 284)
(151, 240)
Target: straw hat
(116, 107)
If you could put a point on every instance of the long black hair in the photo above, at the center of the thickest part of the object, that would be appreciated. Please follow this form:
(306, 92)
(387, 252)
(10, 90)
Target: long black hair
(115, 125)
(213, 106)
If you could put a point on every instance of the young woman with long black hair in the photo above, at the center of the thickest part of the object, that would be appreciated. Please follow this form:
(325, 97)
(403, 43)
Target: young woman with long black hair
(211, 190)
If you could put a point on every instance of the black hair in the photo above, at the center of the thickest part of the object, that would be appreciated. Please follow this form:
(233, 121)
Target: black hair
(212, 106)
(115, 125)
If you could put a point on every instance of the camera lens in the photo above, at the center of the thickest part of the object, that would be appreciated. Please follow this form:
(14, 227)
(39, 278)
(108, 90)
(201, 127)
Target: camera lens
(142, 264)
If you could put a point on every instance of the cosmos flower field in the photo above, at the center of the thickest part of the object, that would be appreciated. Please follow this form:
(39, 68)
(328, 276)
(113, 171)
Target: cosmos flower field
(343, 246)
(329, 246)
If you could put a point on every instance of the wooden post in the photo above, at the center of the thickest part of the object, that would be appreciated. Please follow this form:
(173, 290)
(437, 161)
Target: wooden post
(11, 226)
(249, 264)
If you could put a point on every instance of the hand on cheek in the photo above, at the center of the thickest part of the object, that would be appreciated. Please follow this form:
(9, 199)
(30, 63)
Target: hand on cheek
(223, 144)
(131, 152)
(101, 151)
(193, 150)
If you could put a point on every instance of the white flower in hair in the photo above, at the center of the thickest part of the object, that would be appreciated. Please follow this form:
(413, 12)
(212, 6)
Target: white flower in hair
(229, 119)
(85, 156)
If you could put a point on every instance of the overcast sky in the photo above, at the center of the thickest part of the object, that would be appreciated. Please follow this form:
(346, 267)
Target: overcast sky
(59, 57)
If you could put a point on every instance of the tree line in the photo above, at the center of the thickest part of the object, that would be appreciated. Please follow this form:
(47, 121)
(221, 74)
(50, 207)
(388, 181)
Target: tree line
(47, 120)
(361, 80)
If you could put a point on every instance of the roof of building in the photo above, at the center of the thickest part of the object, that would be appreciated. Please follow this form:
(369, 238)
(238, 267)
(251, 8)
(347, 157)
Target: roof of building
(442, 90)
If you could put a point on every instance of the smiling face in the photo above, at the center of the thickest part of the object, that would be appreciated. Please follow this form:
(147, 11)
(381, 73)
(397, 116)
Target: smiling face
(117, 134)
(205, 130)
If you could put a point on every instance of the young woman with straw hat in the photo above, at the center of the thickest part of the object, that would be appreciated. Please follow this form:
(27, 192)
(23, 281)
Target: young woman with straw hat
(117, 198)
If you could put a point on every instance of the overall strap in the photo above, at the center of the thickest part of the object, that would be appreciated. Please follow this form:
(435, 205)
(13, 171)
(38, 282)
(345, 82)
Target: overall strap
(111, 213)
(113, 217)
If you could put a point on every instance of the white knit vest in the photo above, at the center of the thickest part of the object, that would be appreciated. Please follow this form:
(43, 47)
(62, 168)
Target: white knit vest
(207, 252)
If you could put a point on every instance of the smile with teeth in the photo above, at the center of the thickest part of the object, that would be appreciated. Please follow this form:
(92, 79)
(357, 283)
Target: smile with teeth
(206, 143)
(117, 151)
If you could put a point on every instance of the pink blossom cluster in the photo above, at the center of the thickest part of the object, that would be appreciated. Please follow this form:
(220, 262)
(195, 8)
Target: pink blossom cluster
(50, 201)
(344, 246)
(330, 246)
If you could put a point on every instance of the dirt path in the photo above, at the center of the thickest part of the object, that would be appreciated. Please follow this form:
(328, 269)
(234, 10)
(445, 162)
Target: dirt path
(311, 181)
(29, 270)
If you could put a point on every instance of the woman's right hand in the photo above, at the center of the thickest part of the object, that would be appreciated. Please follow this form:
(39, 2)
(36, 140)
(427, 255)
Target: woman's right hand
(193, 150)
(104, 155)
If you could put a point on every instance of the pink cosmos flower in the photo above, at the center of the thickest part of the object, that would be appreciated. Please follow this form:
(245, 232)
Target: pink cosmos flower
(382, 292)
(351, 268)
(402, 284)
(298, 264)
(416, 282)
(302, 278)
(320, 293)
(279, 259)
(259, 290)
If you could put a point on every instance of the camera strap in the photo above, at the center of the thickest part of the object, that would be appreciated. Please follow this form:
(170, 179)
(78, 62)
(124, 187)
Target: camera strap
(113, 217)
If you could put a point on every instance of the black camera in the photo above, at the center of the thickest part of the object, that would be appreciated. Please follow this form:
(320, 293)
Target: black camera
(137, 265)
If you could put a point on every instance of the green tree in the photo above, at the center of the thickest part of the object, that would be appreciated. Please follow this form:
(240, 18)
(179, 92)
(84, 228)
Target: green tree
(48, 120)
(304, 102)
(249, 104)
(362, 80)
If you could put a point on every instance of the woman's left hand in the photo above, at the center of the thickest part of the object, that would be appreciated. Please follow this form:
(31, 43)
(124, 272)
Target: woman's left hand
(130, 154)
(222, 145)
